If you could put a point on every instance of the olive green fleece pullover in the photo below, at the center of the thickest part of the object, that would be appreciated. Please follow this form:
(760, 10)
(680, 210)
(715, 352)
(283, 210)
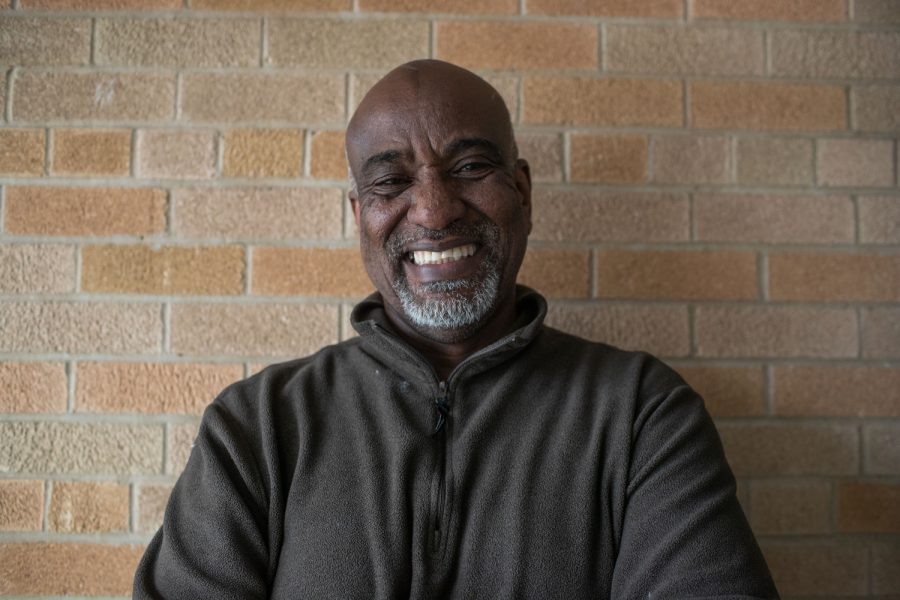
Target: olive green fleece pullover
(545, 467)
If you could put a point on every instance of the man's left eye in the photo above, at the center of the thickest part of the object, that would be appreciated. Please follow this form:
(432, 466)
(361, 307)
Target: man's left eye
(474, 167)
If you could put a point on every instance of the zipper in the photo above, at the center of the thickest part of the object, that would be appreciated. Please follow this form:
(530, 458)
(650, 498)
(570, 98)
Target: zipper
(442, 406)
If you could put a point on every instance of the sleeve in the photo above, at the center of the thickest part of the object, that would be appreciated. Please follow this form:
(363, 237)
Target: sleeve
(213, 542)
(684, 533)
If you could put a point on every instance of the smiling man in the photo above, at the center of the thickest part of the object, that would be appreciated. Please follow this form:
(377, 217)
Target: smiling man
(457, 448)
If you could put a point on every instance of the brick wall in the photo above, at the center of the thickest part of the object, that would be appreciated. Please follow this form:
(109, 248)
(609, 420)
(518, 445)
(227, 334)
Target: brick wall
(716, 183)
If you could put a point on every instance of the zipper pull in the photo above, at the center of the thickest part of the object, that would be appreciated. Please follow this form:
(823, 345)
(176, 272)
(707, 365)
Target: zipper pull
(442, 406)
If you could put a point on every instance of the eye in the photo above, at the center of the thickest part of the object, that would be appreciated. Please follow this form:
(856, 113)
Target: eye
(474, 168)
(389, 185)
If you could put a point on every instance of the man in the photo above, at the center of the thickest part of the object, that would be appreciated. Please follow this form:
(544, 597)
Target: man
(457, 448)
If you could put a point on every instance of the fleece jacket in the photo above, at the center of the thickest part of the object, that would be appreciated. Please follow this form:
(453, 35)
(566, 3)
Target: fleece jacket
(545, 466)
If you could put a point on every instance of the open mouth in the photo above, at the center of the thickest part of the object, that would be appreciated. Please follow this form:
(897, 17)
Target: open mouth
(426, 257)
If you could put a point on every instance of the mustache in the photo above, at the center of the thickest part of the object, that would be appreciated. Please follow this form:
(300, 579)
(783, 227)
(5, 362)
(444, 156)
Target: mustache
(483, 232)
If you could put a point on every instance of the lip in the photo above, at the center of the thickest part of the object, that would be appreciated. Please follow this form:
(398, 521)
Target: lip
(458, 269)
(439, 245)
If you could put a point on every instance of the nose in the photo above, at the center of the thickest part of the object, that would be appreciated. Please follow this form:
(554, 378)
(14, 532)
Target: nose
(435, 204)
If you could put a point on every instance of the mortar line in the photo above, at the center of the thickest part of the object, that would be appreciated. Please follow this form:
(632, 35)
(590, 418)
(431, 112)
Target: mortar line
(522, 7)
(769, 388)
(167, 447)
(2, 209)
(692, 331)
(306, 160)
(49, 136)
(341, 317)
(79, 265)
(132, 154)
(8, 94)
(432, 38)
(854, 202)
(348, 93)
(734, 160)
(895, 165)
(567, 156)
(248, 267)
(132, 507)
(686, 104)
(93, 57)
(167, 325)
(219, 142)
(520, 99)
(762, 265)
(601, 47)
(71, 384)
(170, 215)
(860, 326)
(593, 282)
(179, 82)
(45, 517)
(263, 42)
(767, 52)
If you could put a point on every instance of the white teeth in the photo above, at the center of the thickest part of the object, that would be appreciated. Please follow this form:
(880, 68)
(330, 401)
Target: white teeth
(424, 257)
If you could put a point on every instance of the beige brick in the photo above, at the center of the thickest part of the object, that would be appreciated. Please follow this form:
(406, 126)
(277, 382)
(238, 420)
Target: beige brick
(868, 507)
(285, 330)
(81, 448)
(825, 567)
(602, 102)
(877, 107)
(728, 391)
(152, 501)
(585, 216)
(26, 41)
(174, 154)
(33, 387)
(885, 574)
(94, 96)
(272, 5)
(879, 220)
(309, 272)
(790, 507)
(676, 275)
(660, 330)
(608, 8)
(557, 273)
(836, 54)
(784, 106)
(834, 277)
(544, 154)
(774, 219)
(609, 158)
(837, 391)
(79, 327)
(876, 11)
(328, 159)
(855, 163)
(182, 441)
(680, 50)
(81, 507)
(334, 44)
(773, 160)
(771, 10)
(477, 7)
(691, 159)
(49, 568)
(258, 213)
(36, 269)
(21, 505)
(882, 449)
(881, 333)
(22, 151)
(177, 42)
(518, 45)
(263, 153)
(91, 152)
(84, 211)
(787, 449)
(258, 98)
(102, 4)
(776, 331)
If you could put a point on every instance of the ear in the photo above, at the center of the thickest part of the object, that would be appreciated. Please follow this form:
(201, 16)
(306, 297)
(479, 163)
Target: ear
(523, 185)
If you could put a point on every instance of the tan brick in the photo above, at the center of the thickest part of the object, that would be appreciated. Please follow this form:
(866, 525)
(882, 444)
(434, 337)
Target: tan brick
(771, 10)
(544, 154)
(309, 272)
(174, 154)
(583, 216)
(773, 160)
(609, 158)
(728, 391)
(661, 330)
(258, 213)
(26, 41)
(33, 387)
(102, 4)
(881, 333)
(84, 211)
(876, 11)
(679, 50)
(885, 574)
(517, 45)
(855, 163)
(557, 273)
(263, 153)
(608, 8)
(877, 107)
(788, 507)
(774, 219)
(334, 44)
(784, 106)
(477, 7)
(81, 507)
(783, 449)
(182, 442)
(47, 568)
(602, 102)
(837, 391)
(21, 505)
(834, 277)
(36, 269)
(691, 159)
(868, 507)
(328, 158)
(177, 42)
(776, 331)
(152, 501)
(91, 152)
(835, 54)
(81, 448)
(22, 151)
(676, 275)
(79, 327)
(818, 568)
(94, 96)
(258, 98)
(882, 449)
(272, 5)
(285, 330)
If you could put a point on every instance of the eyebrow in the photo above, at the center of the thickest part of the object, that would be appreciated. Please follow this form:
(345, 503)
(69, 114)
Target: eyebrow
(458, 146)
(388, 156)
